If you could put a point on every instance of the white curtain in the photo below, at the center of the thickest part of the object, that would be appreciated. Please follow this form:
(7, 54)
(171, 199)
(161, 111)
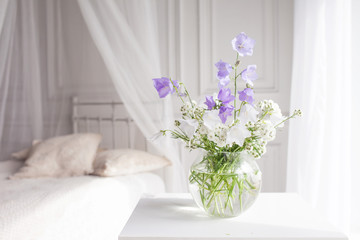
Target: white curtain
(127, 36)
(29, 107)
(320, 155)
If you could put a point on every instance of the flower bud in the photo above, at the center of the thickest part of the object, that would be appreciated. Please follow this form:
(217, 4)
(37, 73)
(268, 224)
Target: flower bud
(177, 123)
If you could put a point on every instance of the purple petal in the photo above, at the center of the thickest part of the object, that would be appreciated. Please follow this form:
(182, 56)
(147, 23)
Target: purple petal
(176, 84)
(243, 44)
(242, 96)
(247, 95)
(250, 100)
(210, 102)
(249, 91)
(225, 112)
(223, 82)
(163, 86)
(249, 74)
(224, 69)
(225, 95)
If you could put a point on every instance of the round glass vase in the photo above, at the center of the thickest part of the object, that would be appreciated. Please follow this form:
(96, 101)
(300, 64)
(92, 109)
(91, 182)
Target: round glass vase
(224, 184)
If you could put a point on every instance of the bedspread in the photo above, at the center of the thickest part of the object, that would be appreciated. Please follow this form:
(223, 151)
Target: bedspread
(86, 207)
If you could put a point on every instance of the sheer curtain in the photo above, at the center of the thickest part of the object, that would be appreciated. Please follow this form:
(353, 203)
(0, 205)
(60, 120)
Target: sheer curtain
(126, 34)
(321, 155)
(30, 108)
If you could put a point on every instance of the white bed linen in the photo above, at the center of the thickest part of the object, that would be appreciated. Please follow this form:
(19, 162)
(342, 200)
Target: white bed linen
(86, 207)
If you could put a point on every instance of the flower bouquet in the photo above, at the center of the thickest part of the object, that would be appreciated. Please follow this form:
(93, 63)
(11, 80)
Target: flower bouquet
(231, 129)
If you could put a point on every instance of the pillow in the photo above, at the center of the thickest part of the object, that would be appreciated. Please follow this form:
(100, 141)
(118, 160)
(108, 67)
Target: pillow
(70, 155)
(126, 161)
(24, 153)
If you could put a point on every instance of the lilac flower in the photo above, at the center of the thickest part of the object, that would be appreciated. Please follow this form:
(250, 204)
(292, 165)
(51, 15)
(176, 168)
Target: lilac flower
(176, 84)
(243, 44)
(225, 112)
(225, 95)
(210, 103)
(224, 69)
(180, 91)
(247, 95)
(249, 75)
(164, 86)
(223, 82)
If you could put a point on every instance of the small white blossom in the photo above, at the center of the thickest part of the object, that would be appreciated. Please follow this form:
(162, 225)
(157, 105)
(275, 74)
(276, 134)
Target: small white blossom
(265, 129)
(203, 130)
(211, 136)
(272, 112)
(221, 143)
(298, 112)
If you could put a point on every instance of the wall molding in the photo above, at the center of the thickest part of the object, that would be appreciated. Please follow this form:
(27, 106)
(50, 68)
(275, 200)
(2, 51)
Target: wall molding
(207, 83)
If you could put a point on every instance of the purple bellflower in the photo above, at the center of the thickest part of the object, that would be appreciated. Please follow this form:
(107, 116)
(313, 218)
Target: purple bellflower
(247, 95)
(249, 75)
(223, 82)
(210, 103)
(225, 112)
(243, 44)
(225, 96)
(224, 69)
(164, 86)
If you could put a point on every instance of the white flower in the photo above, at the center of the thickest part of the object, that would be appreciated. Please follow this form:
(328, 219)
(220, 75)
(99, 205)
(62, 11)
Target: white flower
(273, 112)
(191, 108)
(265, 129)
(211, 136)
(221, 131)
(203, 106)
(237, 134)
(188, 126)
(211, 119)
(192, 144)
(276, 118)
(275, 115)
(220, 143)
(203, 130)
(248, 113)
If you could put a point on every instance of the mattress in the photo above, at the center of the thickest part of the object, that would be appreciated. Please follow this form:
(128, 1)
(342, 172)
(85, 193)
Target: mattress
(86, 207)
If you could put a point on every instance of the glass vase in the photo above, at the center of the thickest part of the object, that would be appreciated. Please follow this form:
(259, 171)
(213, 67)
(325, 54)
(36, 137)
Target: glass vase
(225, 184)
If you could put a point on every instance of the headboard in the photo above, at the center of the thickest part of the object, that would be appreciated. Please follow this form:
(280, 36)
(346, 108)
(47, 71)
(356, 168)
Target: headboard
(110, 119)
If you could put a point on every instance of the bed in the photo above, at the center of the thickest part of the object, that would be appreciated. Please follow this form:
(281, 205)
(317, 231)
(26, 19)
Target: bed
(82, 207)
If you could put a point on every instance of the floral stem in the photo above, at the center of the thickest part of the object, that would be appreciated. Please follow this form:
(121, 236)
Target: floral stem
(188, 95)
(236, 76)
(242, 104)
(293, 115)
(177, 91)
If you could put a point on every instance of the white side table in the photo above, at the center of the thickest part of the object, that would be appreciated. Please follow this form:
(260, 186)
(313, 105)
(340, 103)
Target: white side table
(273, 216)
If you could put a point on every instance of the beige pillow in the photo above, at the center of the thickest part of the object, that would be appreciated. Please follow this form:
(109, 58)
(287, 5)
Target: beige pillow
(25, 153)
(126, 161)
(70, 155)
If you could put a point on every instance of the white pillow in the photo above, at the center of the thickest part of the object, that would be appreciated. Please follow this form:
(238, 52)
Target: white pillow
(70, 155)
(25, 153)
(126, 161)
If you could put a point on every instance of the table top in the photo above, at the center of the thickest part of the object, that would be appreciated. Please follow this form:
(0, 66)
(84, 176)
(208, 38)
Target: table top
(273, 216)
